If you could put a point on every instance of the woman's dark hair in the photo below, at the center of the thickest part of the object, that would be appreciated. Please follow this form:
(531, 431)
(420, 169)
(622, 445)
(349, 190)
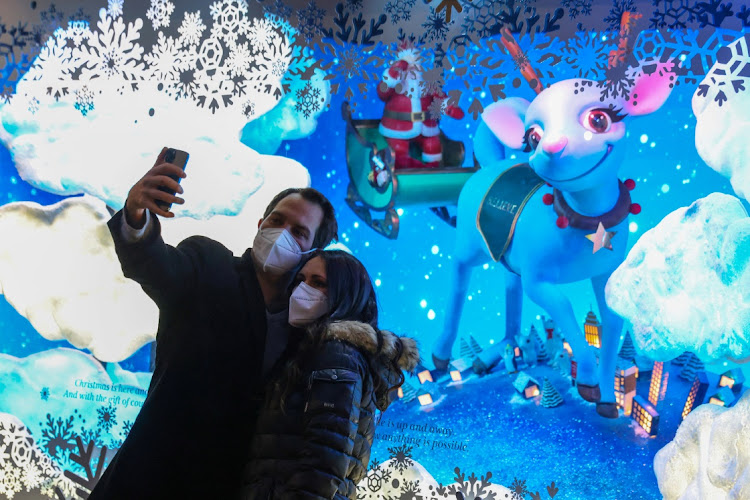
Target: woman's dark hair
(351, 297)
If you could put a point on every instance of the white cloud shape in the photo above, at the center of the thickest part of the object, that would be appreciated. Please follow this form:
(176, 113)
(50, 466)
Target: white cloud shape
(722, 128)
(103, 155)
(58, 268)
(685, 285)
(709, 457)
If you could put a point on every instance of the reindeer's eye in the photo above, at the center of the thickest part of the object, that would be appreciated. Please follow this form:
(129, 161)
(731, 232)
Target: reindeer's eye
(532, 138)
(598, 120)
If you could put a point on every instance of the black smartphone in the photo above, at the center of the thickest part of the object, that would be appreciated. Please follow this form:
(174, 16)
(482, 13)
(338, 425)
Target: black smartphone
(175, 157)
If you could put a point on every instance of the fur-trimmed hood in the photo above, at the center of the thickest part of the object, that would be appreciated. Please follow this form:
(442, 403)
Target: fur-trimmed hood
(365, 337)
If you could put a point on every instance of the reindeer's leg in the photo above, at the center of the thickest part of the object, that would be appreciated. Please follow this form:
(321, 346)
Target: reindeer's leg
(550, 298)
(611, 330)
(460, 276)
(513, 306)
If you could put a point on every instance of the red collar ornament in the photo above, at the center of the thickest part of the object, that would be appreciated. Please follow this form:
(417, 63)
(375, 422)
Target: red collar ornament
(569, 217)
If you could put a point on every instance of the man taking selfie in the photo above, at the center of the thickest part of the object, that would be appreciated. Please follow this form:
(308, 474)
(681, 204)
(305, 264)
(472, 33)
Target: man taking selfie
(222, 327)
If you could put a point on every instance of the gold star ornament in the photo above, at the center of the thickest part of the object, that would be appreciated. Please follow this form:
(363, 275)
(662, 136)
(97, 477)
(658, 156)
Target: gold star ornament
(601, 238)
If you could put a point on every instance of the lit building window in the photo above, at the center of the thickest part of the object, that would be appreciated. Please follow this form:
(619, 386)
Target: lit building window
(645, 415)
(625, 381)
(697, 393)
(593, 330)
(658, 379)
(526, 386)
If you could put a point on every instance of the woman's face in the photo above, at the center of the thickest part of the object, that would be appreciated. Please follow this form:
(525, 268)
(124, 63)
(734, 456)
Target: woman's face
(313, 273)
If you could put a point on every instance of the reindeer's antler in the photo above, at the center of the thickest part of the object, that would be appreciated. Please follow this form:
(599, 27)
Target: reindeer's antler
(515, 51)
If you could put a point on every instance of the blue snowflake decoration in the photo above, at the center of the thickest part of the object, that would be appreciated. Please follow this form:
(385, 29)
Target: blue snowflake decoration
(309, 100)
(577, 7)
(57, 435)
(107, 417)
(619, 7)
(310, 21)
(126, 428)
(44, 393)
(731, 72)
(399, 10)
(687, 48)
(435, 26)
(677, 14)
(586, 54)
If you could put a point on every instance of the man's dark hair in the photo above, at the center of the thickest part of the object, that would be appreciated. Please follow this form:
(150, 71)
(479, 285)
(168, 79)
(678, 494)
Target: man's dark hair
(328, 229)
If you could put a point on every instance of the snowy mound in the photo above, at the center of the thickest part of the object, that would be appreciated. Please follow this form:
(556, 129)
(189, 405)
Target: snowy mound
(685, 284)
(709, 456)
(58, 268)
(722, 110)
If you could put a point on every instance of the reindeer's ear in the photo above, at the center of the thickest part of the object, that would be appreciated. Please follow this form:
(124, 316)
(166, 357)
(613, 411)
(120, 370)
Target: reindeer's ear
(649, 93)
(505, 120)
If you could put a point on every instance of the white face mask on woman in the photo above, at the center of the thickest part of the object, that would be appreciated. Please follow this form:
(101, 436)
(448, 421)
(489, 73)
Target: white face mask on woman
(306, 305)
(276, 251)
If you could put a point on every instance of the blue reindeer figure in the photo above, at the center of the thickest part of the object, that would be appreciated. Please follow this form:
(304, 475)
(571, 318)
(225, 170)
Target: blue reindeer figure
(576, 143)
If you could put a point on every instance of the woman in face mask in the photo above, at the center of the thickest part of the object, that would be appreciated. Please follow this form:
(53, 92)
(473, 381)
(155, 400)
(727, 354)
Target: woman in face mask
(317, 425)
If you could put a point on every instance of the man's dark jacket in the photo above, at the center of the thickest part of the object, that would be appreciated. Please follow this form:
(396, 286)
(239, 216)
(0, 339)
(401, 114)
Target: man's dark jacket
(191, 438)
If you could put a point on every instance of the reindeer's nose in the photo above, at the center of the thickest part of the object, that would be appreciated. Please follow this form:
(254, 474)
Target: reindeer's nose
(553, 145)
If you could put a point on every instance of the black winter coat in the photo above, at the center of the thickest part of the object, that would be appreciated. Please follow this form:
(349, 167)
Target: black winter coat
(191, 437)
(318, 446)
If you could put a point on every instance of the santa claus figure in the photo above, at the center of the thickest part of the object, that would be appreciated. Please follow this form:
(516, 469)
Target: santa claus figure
(412, 115)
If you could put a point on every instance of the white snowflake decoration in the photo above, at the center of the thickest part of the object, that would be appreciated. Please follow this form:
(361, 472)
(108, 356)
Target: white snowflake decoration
(159, 13)
(239, 60)
(77, 31)
(113, 52)
(235, 60)
(165, 58)
(32, 476)
(230, 20)
(191, 29)
(114, 7)
(261, 35)
(84, 100)
(10, 481)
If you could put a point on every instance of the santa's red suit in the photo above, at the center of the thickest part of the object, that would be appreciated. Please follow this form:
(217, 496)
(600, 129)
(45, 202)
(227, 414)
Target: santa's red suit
(406, 118)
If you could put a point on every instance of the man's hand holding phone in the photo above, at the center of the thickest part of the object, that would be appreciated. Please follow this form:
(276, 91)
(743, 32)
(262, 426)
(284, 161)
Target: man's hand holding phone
(156, 191)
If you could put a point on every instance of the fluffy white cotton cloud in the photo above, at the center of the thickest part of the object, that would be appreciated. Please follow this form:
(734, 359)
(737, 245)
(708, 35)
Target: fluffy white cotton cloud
(103, 154)
(685, 285)
(723, 116)
(709, 457)
(58, 268)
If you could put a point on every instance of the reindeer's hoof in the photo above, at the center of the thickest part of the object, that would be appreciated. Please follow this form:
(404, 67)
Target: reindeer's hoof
(441, 365)
(479, 367)
(607, 410)
(590, 393)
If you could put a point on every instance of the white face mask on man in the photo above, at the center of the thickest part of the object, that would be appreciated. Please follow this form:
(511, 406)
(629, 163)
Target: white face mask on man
(276, 251)
(306, 305)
